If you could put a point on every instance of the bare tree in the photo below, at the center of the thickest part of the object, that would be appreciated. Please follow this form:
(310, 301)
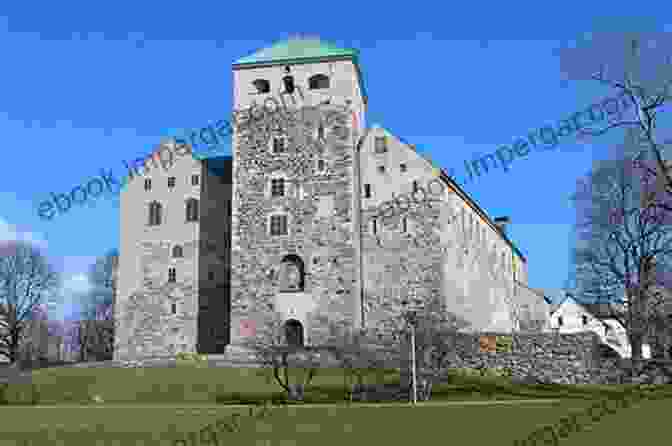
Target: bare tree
(435, 330)
(622, 235)
(639, 65)
(273, 353)
(95, 331)
(26, 280)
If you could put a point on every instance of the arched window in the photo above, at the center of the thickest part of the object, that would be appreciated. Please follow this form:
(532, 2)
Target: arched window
(294, 333)
(192, 209)
(154, 213)
(177, 251)
(292, 274)
(318, 81)
(262, 86)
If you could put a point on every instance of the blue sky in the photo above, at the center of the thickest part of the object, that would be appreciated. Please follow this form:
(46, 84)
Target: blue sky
(83, 89)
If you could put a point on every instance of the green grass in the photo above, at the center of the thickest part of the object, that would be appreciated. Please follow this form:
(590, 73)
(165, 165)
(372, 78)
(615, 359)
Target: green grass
(175, 385)
(236, 385)
(170, 388)
(357, 425)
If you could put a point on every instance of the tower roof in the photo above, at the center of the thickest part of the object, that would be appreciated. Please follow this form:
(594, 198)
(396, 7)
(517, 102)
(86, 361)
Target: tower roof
(297, 49)
(302, 50)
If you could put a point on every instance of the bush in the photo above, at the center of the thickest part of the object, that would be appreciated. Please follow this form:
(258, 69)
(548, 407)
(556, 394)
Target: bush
(192, 359)
(249, 398)
(19, 394)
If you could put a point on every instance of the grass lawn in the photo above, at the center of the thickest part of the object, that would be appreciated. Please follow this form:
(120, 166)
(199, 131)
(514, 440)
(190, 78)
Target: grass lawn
(357, 425)
(183, 385)
(60, 417)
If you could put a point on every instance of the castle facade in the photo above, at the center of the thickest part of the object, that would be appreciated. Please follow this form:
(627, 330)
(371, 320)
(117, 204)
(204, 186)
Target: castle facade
(316, 224)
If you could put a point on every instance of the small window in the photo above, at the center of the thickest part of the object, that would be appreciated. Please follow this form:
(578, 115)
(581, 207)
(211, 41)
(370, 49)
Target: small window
(374, 226)
(320, 165)
(171, 275)
(171, 181)
(288, 81)
(381, 169)
(584, 319)
(316, 260)
(403, 167)
(262, 86)
(320, 132)
(211, 275)
(278, 225)
(148, 184)
(279, 145)
(177, 251)
(559, 321)
(380, 144)
(404, 225)
(415, 186)
(277, 187)
(173, 308)
(192, 209)
(318, 81)
(367, 191)
(194, 180)
(154, 213)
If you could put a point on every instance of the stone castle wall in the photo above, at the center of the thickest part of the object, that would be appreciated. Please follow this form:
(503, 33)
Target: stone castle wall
(319, 209)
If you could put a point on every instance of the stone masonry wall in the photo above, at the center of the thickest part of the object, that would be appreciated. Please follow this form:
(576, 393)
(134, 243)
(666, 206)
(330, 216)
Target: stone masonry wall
(319, 209)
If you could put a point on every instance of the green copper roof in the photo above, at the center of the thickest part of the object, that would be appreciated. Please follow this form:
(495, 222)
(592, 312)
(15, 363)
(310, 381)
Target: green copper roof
(302, 50)
(296, 49)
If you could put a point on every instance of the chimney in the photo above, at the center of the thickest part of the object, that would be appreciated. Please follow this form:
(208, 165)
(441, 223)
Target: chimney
(502, 222)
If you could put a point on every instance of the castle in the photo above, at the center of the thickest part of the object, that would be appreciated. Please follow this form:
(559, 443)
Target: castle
(288, 228)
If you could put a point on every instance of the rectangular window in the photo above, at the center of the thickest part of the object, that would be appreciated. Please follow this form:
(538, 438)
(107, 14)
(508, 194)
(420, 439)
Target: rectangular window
(560, 321)
(402, 167)
(171, 181)
(415, 186)
(320, 165)
(173, 308)
(171, 275)
(584, 319)
(194, 180)
(367, 191)
(380, 144)
(148, 184)
(278, 145)
(277, 187)
(381, 169)
(374, 226)
(228, 208)
(404, 225)
(278, 225)
(211, 275)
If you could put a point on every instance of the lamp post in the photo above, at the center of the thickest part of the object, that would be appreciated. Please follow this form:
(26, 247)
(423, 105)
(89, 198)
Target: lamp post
(410, 316)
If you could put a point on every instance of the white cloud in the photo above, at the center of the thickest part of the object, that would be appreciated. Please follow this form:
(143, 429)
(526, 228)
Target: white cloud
(10, 232)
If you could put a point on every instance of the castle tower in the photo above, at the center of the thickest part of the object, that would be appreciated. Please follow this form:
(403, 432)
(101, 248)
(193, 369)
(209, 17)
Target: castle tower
(295, 269)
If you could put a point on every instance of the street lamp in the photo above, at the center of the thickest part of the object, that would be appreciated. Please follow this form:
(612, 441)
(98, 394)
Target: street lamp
(410, 316)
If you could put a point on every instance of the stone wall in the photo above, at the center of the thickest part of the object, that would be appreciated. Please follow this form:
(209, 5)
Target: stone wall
(534, 357)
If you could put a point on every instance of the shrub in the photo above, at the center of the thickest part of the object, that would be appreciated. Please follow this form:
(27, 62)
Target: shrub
(249, 398)
(19, 394)
(191, 359)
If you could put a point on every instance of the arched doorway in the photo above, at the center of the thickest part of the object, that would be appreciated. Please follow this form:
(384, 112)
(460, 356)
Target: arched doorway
(294, 333)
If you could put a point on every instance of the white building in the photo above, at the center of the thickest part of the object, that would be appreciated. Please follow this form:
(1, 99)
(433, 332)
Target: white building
(570, 316)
